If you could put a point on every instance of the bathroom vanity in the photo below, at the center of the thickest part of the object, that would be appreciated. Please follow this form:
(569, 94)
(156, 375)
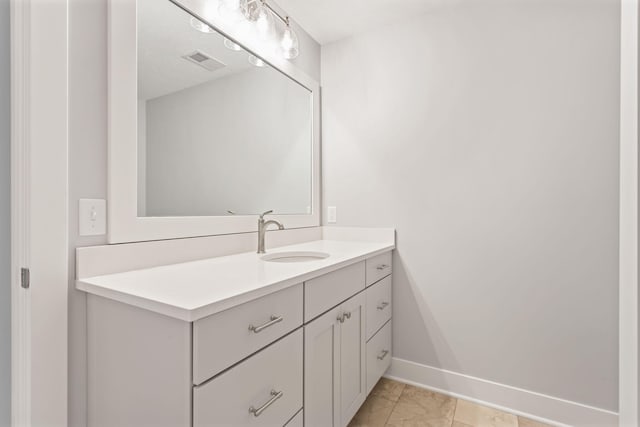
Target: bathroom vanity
(240, 340)
(205, 133)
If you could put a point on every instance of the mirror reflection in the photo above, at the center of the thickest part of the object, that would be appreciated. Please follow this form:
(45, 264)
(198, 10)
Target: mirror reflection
(220, 132)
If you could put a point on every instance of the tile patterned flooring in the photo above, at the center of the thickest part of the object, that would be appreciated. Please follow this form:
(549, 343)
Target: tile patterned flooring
(394, 404)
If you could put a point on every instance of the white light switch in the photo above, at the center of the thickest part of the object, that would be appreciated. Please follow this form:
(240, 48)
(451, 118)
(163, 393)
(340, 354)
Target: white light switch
(92, 216)
(332, 215)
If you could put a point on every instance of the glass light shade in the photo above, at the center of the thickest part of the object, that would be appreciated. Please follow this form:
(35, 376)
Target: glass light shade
(264, 22)
(254, 60)
(289, 43)
(200, 26)
(231, 45)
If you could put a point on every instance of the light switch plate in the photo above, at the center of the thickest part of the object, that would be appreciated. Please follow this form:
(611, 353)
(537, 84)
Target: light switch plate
(92, 215)
(332, 215)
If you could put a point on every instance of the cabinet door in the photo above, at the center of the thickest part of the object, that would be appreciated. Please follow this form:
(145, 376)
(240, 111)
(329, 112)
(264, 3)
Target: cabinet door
(352, 347)
(322, 371)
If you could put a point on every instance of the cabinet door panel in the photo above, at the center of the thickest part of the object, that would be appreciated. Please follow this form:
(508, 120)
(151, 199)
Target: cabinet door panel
(321, 371)
(352, 358)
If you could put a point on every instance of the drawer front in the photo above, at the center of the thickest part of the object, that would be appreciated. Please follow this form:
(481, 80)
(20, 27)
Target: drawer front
(378, 355)
(378, 305)
(378, 267)
(325, 292)
(225, 338)
(264, 390)
(297, 421)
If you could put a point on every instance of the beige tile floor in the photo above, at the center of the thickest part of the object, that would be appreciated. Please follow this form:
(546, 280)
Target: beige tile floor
(394, 404)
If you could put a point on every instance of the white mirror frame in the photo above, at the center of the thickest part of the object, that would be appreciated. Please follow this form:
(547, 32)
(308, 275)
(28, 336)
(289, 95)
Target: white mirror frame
(124, 225)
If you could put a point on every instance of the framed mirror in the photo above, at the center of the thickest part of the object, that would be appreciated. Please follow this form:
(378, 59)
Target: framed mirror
(208, 128)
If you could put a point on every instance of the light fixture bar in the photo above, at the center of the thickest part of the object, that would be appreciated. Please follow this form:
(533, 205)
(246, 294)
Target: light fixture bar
(285, 19)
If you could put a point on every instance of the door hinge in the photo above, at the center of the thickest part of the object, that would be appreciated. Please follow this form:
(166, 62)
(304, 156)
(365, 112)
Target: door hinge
(25, 278)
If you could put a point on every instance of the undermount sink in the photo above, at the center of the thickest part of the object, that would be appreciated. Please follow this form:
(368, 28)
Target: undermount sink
(299, 256)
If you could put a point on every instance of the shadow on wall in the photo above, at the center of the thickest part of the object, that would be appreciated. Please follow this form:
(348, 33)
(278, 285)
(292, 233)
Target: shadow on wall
(411, 307)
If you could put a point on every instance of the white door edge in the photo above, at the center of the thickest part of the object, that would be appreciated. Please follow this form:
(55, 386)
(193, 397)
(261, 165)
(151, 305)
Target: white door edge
(20, 298)
(39, 216)
(628, 352)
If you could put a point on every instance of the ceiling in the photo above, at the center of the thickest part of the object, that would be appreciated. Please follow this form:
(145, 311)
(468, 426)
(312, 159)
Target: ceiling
(165, 35)
(330, 20)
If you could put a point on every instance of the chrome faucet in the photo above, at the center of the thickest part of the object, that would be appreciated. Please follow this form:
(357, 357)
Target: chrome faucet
(262, 228)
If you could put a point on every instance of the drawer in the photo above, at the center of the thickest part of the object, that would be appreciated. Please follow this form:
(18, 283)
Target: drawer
(225, 338)
(378, 355)
(325, 292)
(378, 305)
(264, 390)
(297, 421)
(378, 267)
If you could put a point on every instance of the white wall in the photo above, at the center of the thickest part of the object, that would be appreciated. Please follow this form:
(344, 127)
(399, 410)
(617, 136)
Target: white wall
(5, 215)
(486, 132)
(241, 143)
(88, 160)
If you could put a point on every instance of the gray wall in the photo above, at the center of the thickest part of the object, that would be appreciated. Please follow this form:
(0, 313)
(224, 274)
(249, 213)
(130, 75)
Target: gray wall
(88, 160)
(486, 132)
(5, 214)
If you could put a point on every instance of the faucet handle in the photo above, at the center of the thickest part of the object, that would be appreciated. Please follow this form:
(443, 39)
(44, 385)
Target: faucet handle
(265, 213)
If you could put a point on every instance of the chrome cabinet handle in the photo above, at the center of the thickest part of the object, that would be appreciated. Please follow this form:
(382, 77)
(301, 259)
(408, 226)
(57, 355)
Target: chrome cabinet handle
(382, 355)
(383, 305)
(275, 396)
(271, 322)
(345, 315)
(382, 267)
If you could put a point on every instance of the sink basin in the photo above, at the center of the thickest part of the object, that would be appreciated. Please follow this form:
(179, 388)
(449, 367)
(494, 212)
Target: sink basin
(300, 256)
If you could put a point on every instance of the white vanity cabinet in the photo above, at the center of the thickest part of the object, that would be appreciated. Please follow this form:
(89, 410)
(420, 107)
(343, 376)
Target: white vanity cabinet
(335, 369)
(307, 355)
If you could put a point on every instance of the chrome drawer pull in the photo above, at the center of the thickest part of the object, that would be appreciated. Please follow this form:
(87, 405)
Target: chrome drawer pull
(257, 412)
(273, 321)
(383, 267)
(383, 306)
(383, 354)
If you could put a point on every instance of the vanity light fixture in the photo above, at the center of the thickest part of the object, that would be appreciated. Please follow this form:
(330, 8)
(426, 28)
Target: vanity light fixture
(201, 26)
(261, 15)
(264, 20)
(289, 43)
(231, 45)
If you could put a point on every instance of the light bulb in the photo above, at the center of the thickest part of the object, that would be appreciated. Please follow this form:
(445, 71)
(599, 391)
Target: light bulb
(264, 22)
(201, 26)
(254, 60)
(231, 45)
(290, 44)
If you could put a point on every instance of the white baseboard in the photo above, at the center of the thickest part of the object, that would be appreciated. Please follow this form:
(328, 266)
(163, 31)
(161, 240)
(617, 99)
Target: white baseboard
(536, 406)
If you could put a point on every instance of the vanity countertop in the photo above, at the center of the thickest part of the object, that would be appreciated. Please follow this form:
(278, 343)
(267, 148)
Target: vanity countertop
(192, 290)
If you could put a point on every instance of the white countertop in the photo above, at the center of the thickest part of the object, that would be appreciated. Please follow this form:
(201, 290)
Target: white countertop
(192, 290)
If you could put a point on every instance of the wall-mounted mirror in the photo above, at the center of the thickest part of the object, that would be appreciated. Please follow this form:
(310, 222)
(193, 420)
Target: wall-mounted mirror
(205, 133)
(220, 131)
